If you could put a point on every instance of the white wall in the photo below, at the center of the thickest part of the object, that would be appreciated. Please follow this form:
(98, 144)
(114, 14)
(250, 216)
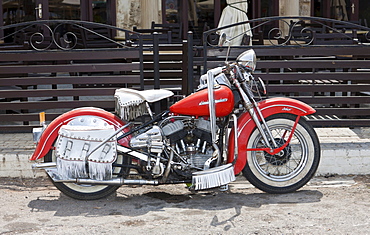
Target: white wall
(293, 8)
(138, 13)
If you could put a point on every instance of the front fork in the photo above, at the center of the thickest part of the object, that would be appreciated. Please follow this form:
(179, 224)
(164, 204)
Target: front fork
(263, 128)
(251, 105)
(256, 114)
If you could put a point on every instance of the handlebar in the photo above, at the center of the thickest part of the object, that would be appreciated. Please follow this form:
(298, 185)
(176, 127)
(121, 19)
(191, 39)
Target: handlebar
(215, 71)
(240, 70)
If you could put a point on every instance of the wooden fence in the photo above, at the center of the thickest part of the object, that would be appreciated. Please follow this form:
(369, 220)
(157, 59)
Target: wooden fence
(61, 65)
(337, 86)
(55, 66)
(330, 73)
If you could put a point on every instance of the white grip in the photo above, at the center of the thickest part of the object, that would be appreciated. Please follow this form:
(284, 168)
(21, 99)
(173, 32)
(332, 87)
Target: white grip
(204, 77)
(216, 71)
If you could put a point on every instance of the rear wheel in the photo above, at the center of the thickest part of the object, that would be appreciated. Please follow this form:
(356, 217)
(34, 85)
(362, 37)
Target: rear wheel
(289, 169)
(89, 192)
(83, 191)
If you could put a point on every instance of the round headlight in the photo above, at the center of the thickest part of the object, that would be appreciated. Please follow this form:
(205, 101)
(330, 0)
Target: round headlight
(248, 59)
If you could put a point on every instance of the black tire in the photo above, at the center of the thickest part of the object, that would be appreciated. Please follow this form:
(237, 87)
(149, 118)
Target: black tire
(87, 192)
(290, 169)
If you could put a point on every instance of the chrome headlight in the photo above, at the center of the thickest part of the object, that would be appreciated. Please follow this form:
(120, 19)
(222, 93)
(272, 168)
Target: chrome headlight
(248, 59)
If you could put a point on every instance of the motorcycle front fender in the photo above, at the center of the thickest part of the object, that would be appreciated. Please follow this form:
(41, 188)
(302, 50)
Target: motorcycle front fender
(50, 134)
(246, 125)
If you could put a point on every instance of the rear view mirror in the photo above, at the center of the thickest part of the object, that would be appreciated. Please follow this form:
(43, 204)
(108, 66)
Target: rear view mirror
(222, 39)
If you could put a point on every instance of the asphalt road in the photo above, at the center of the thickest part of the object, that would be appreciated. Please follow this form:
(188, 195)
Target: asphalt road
(334, 205)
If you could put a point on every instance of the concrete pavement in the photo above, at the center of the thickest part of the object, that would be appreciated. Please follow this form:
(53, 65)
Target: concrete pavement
(344, 151)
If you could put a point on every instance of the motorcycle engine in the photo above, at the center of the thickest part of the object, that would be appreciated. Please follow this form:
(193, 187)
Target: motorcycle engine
(192, 140)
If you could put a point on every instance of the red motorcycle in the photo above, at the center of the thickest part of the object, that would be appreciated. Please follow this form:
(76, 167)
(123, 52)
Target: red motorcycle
(203, 140)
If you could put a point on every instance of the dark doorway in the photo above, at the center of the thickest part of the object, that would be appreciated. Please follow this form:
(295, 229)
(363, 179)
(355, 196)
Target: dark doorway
(364, 12)
(17, 11)
(344, 10)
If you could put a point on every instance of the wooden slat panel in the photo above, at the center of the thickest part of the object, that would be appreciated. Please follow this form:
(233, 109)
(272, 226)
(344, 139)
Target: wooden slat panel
(344, 111)
(97, 54)
(334, 99)
(340, 123)
(164, 57)
(169, 65)
(26, 116)
(312, 50)
(350, 76)
(318, 88)
(297, 51)
(57, 92)
(312, 64)
(174, 82)
(118, 79)
(42, 105)
(16, 128)
(69, 68)
(299, 64)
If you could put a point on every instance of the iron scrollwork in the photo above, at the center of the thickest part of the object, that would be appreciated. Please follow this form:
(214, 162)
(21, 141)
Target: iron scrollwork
(63, 35)
(296, 31)
(46, 37)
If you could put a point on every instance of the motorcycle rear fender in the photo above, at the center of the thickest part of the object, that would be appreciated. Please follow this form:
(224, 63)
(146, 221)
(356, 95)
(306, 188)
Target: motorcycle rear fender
(50, 134)
(246, 125)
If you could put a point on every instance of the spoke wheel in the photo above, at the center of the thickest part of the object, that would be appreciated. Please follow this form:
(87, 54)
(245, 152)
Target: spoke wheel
(292, 167)
(85, 191)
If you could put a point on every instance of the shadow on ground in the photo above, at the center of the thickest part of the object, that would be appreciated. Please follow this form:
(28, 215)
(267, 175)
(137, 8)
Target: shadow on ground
(140, 201)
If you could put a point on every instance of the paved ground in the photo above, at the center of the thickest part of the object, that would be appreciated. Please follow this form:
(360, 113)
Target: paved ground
(334, 205)
(16, 143)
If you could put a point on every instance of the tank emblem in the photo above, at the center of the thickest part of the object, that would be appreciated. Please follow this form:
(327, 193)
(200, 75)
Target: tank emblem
(216, 101)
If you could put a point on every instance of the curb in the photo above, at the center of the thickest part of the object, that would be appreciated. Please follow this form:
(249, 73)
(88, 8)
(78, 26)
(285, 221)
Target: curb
(344, 151)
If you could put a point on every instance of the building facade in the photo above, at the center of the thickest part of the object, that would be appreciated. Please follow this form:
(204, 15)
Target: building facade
(191, 14)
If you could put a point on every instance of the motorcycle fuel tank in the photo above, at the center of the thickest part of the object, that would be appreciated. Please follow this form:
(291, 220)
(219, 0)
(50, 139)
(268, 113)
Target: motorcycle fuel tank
(196, 104)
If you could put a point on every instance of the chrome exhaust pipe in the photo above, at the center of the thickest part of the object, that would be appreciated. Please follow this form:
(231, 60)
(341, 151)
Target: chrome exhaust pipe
(115, 181)
(44, 165)
(54, 175)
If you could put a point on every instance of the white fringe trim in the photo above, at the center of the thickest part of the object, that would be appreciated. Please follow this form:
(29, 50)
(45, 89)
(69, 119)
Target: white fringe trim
(130, 112)
(129, 106)
(213, 177)
(100, 171)
(71, 169)
(77, 170)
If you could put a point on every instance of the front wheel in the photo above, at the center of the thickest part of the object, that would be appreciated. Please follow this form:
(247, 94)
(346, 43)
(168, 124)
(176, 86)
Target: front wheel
(289, 169)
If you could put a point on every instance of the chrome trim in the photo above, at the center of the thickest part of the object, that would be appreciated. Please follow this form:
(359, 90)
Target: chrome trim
(212, 115)
(235, 119)
(53, 173)
(44, 165)
(133, 153)
(36, 133)
(266, 126)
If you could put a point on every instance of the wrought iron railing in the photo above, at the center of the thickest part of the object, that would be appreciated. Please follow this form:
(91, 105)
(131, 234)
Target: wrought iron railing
(293, 30)
(66, 35)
